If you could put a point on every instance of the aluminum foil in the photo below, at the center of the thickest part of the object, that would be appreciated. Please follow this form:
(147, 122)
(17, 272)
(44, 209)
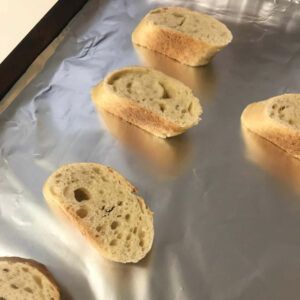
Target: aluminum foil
(226, 203)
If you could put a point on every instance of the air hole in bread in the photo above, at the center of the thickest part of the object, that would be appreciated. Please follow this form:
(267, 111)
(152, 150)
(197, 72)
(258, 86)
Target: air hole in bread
(29, 290)
(58, 175)
(114, 225)
(141, 234)
(14, 286)
(81, 194)
(99, 228)
(82, 212)
(128, 85)
(291, 122)
(165, 94)
(54, 190)
(5, 270)
(177, 15)
(1, 298)
(120, 203)
(25, 270)
(128, 237)
(108, 210)
(127, 217)
(101, 192)
(113, 243)
(274, 106)
(104, 179)
(190, 108)
(96, 170)
(119, 236)
(114, 78)
(162, 107)
(134, 230)
(141, 243)
(183, 111)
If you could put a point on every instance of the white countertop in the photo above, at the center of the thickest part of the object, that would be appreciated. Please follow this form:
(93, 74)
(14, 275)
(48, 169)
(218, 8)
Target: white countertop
(17, 18)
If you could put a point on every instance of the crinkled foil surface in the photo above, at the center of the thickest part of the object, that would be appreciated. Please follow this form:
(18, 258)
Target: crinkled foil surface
(226, 203)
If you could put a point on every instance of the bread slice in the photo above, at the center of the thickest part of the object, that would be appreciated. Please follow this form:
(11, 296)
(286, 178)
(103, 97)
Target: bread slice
(191, 37)
(105, 208)
(277, 120)
(26, 279)
(148, 99)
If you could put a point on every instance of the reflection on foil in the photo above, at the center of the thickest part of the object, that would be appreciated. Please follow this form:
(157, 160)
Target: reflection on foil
(167, 156)
(272, 159)
(270, 13)
(201, 80)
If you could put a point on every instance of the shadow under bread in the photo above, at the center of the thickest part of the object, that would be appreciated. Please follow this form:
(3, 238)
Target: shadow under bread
(202, 80)
(272, 159)
(167, 156)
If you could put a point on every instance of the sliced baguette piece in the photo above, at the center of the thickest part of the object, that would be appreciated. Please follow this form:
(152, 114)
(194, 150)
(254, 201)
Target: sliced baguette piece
(190, 37)
(277, 120)
(148, 99)
(26, 279)
(105, 208)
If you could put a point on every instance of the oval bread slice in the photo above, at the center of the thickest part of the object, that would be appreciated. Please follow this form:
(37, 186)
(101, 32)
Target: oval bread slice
(148, 99)
(26, 279)
(190, 37)
(277, 120)
(105, 208)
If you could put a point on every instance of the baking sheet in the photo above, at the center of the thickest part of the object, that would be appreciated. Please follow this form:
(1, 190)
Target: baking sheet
(226, 204)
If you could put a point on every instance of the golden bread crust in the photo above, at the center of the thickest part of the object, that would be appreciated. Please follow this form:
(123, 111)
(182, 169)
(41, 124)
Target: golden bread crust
(255, 117)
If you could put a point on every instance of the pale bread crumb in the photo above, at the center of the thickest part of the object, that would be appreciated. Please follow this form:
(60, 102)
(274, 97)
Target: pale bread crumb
(26, 279)
(105, 207)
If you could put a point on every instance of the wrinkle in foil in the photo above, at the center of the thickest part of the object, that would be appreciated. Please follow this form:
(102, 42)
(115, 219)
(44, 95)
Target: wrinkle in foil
(226, 203)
